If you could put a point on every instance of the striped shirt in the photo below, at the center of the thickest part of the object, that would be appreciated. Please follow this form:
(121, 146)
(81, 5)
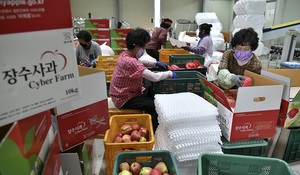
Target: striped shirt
(127, 80)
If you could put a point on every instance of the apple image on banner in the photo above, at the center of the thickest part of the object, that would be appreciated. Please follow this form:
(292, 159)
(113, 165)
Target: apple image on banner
(55, 54)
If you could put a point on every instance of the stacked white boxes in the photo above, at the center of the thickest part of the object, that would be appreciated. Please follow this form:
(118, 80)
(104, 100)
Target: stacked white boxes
(187, 127)
(250, 13)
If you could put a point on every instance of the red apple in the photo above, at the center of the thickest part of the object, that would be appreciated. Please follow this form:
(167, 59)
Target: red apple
(231, 102)
(247, 82)
(124, 166)
(162, 167)
(126, 129)
(144, 132)
(119, 134)
(136, 126)
(118, 139)
(126, 137)
(155, 172)
(135, 135)
(135, 168)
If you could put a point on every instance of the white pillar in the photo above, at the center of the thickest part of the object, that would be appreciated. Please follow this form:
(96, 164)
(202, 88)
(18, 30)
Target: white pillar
(157, 13)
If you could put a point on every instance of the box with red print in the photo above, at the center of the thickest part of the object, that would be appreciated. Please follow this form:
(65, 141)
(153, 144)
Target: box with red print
(256, 109)
(289, 116)
(39, 73)
(25, 144)
(85, 117)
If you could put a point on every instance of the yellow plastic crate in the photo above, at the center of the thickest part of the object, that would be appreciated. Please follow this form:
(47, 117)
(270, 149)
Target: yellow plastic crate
(112, 149)
(107, 63)
(164, 54)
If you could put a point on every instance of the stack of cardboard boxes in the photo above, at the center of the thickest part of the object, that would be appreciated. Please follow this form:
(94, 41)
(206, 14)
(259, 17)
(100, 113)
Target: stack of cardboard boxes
(42, 87)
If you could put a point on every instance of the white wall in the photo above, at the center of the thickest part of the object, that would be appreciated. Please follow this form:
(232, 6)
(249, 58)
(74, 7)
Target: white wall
(140, 12)
(98, 8)
(223, 9)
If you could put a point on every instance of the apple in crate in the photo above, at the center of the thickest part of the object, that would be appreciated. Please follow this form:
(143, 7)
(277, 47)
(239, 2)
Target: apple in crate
(125, 172)
(124, 166)
(144, 132)
(145, 171)
(126, 129)
(162, 167)
(135, 168)
(135, 135)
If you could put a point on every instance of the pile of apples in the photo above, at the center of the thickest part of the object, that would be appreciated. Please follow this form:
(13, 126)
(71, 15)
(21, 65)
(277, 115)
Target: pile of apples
(189, 65)
(131, 133)
(231, 98)
(135, 168)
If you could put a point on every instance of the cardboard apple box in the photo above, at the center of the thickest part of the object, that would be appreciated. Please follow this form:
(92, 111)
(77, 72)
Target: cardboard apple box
(256, 112)
(85, 117)
(25, 144)
(53, 162)
(289, 116)
(42, 72)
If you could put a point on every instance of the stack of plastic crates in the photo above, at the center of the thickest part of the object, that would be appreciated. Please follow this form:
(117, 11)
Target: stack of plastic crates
(147, 159)
(228, 164)
(248, 147)
(187, 81)
(164, 54)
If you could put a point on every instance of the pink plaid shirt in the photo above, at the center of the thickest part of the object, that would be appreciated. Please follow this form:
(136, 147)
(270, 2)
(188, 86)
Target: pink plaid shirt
(127, 80)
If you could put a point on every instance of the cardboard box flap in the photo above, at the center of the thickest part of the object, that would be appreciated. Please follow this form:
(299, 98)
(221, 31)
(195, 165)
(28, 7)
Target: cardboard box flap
(87, 71)
(258, 98)
(215, 91)
(285, 80)
(259, 80)
(293, 74)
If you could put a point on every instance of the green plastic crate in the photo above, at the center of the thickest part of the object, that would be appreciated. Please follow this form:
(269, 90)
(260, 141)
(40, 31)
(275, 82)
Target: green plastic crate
(292, 151)
(248, 147)
(184, 58)
(147, 158)
(187, 81)
(229, 164)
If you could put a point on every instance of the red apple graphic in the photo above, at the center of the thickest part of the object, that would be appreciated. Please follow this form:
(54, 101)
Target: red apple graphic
(54, 54)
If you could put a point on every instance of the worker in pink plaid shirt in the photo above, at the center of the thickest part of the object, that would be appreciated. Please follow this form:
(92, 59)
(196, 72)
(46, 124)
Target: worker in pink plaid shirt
(127, 88)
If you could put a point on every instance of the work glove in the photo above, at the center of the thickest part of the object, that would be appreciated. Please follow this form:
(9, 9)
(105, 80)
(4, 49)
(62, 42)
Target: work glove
(174, 75)
(237, 80)
(162, 65)
(186, 48)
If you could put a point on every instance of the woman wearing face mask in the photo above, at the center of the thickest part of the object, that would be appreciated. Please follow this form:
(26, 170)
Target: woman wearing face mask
(235, 61)
(87, 51)
(205, 45)
(126, 87)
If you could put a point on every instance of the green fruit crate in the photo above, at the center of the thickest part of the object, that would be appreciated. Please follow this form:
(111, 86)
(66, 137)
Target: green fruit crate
(229, 164)
(248, 147)
(184, 58)
(147, 159)
(187, 81)
(292, 151)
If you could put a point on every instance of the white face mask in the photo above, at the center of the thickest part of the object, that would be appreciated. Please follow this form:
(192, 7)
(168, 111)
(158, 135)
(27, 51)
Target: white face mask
(242, 63)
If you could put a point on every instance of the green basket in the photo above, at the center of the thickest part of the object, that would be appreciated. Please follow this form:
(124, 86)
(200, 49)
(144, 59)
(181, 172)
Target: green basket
(229, 164)
(292, 151)
(187, 81)
(147, 158)
(184, 58)
(249, 147)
